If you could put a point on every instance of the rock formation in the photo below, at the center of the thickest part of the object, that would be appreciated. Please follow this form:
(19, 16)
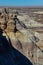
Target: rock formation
(23, 29)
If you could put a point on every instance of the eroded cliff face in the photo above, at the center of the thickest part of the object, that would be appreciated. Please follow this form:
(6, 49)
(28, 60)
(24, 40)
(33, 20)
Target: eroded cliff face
(28, 36)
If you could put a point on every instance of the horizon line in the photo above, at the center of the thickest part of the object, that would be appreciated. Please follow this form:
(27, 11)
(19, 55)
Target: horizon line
(21, 6)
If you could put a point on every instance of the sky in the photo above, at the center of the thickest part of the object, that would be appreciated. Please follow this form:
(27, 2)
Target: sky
(21, 2)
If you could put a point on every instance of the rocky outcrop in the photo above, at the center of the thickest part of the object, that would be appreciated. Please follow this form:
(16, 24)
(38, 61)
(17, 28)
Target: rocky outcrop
(29, 41)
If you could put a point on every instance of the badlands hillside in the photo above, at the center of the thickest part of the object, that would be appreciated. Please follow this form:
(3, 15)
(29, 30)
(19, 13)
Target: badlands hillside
(31, 25)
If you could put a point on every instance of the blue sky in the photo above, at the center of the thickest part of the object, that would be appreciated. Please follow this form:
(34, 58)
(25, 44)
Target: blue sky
(21, 2)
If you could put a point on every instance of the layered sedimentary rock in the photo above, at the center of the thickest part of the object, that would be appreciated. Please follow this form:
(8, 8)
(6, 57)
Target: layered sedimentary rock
(29, 41)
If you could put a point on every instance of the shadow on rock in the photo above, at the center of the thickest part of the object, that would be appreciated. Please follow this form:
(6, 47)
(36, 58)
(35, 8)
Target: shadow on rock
(9, 55)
